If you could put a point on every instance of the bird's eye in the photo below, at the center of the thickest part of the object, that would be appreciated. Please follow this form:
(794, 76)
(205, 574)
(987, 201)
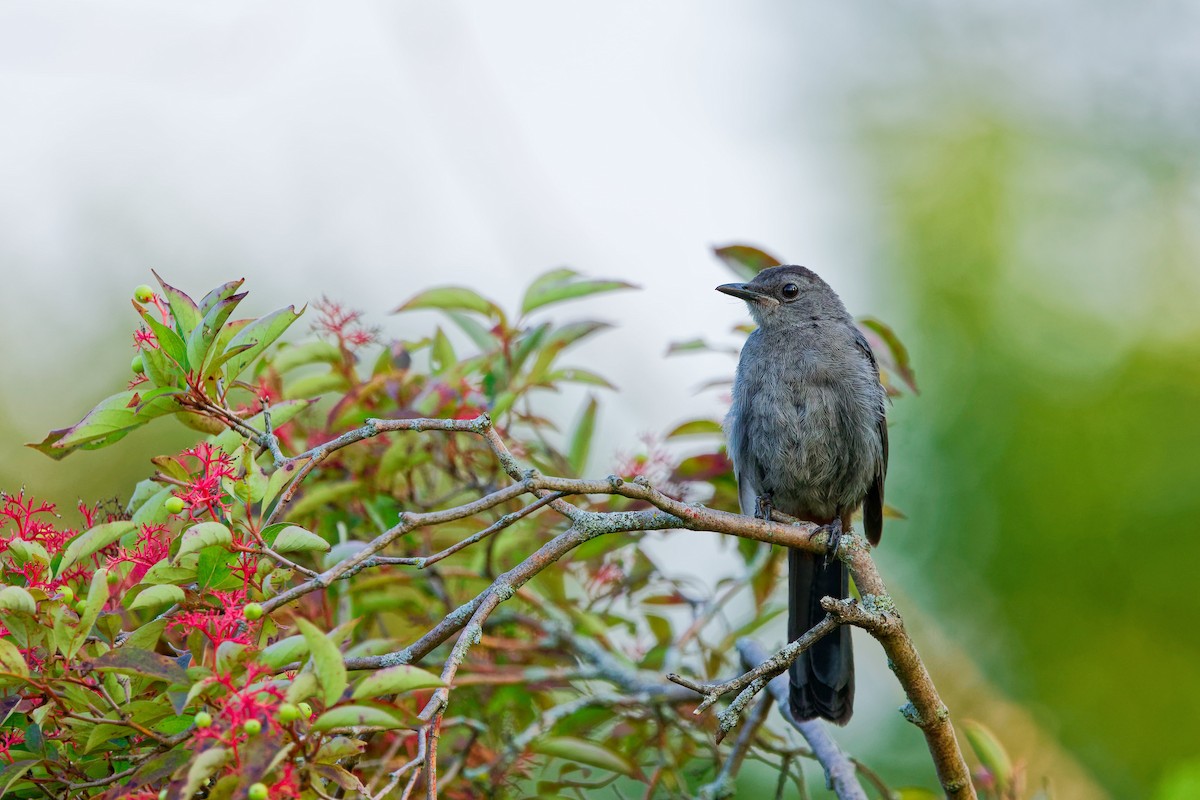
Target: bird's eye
(790, 291)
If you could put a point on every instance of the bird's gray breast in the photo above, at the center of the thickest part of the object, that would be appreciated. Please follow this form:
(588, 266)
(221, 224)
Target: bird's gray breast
(804, 425)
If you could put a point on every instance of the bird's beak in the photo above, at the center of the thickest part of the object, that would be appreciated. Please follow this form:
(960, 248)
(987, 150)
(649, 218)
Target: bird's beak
(743, 291)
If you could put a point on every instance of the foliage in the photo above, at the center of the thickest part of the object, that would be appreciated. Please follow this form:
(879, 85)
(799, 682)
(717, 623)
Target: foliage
(134, 655)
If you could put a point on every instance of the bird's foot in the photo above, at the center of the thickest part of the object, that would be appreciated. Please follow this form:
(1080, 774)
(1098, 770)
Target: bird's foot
(762, 506)
(834, 529)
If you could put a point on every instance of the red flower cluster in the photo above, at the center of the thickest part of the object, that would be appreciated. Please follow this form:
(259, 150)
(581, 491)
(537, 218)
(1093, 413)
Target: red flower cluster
(28, 521)
(225, 623)
(9, 739)
(153, 545)
(255, 700)
(204, 492)
(342, 324)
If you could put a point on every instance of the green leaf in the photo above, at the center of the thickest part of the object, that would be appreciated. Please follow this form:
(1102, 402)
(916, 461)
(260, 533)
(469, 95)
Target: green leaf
(441, 353)
(745, 261)
(394, 680)
(581, 439)
(128, 660)
(16, 599)
(577, 375)
(201, 339)
(92, 541)
(354, 716)
(169, 341)
(198, 537)
(990, 752)
(326, 659)
(161, 370)
(203, 767)
(284, 652)
(183, 308)
(696, 427)
(698, 346)
(14, 772)
(561, 285)
(166, 572)
(584, 752)
(28, 551)
(315, 385)
(11, 659)
(108, 422)
(103, 734)
(155, 596)
(97, 596)
(213, 566)
(318, 351)
(341, 777)
(260, 334)
(560, 340)
(151, 511)
(218, 294)
(147, 636)
(338, 747)
(481, 336)
(554, 276)
(294, 539)
(452, 298)
(304, 686)
(322, 495)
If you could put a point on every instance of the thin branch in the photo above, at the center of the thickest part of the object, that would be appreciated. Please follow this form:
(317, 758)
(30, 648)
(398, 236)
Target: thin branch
(750, 683)
(840, 773)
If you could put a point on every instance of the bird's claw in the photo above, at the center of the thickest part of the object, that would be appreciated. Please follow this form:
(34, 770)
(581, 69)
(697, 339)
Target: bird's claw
(763, 507)
(834, 529)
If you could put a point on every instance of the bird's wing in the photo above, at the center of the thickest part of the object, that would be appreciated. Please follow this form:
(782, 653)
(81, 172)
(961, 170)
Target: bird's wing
(873, 503)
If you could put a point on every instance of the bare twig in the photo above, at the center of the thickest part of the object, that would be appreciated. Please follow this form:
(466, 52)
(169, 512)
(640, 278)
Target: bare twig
(753, 681)
(840, 775)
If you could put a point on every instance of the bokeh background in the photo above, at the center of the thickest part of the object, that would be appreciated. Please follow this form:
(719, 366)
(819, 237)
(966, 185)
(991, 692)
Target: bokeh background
(1014, 187)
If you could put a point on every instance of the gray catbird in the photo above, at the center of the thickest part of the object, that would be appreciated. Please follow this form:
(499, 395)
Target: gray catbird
(806, 434)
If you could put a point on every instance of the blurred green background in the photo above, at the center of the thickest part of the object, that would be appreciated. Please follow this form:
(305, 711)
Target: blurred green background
(1013, 188)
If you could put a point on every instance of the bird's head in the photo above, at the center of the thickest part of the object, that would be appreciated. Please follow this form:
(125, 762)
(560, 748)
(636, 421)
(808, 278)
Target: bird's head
(782, 297)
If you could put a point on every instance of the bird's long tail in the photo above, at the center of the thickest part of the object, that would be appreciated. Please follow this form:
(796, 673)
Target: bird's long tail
(822, 678)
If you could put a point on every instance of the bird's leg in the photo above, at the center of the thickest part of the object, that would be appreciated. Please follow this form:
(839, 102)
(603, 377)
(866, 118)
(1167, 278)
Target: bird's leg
(834, 529)
(762, 506)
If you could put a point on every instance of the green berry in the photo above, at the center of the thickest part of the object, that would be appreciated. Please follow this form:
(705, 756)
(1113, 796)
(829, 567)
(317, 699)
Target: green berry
(288, 713)
(162, 795)
(113, 578)
(258, 791)
(305, 710)
(137, 365)
(252, 611)
(80, 607)
(66, 594)
(252, 727)
(173, 504)
(143, 294)
(203, 719)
